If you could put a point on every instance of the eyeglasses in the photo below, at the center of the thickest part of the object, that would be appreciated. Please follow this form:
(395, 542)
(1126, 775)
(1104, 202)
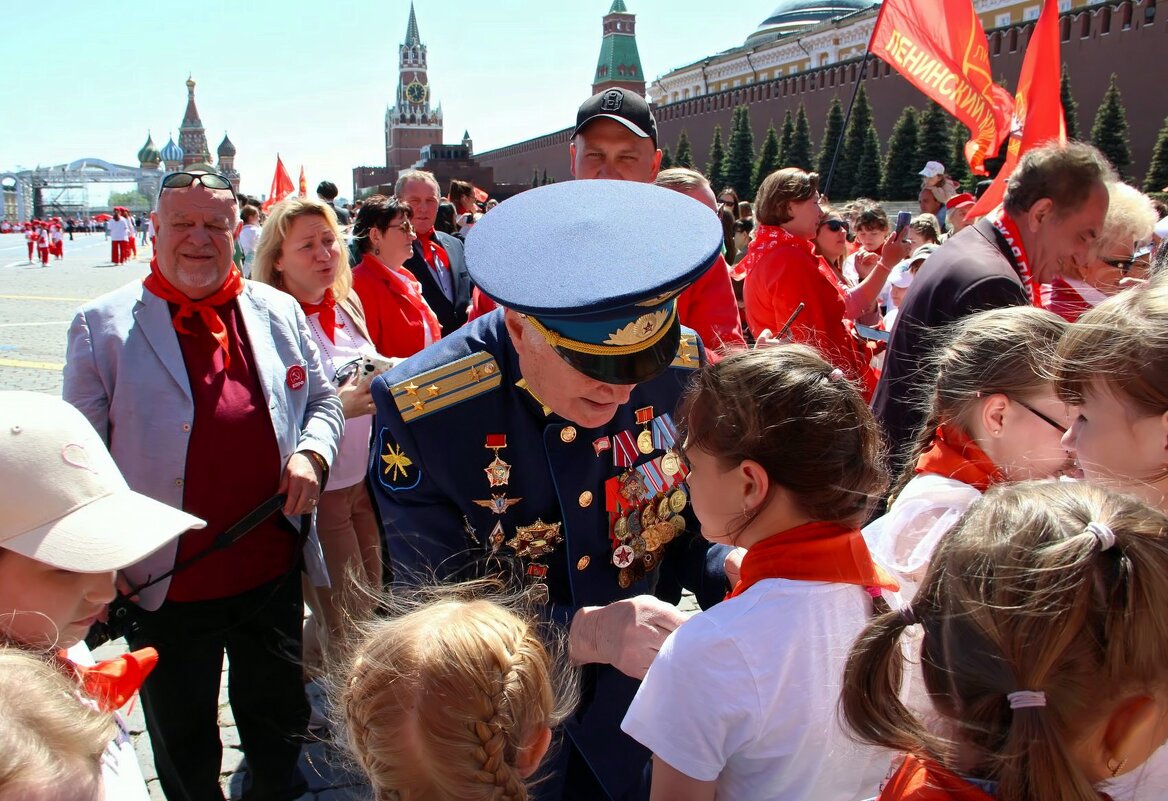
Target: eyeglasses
(836, 225)
(406, 227)
(1125, 265)
(1044, 418)
(179, 180)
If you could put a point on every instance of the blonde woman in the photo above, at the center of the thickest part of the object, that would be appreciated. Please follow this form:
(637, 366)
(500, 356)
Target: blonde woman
(303, 253)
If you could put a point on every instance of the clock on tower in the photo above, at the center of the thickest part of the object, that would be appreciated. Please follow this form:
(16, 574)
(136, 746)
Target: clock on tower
(411, 124)
(415, 92)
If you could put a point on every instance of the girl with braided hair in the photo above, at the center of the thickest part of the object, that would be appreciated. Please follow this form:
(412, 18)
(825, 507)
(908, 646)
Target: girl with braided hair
(454, 696)
(1044, 651)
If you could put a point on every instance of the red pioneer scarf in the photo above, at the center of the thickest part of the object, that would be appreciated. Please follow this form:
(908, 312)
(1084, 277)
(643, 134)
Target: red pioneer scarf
(112, 682)
(955, 455)
(403, 283)
(819, 551)
(157, 285)
(431, 248)
(926, 780)
(1009, 231)
(327, 311)
(766, 239)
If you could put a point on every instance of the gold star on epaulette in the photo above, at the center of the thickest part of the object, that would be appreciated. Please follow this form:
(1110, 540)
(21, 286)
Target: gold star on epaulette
(446, 386)
(688, 354)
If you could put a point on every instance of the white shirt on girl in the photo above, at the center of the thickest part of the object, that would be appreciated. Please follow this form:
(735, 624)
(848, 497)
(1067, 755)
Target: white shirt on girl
(747, 694)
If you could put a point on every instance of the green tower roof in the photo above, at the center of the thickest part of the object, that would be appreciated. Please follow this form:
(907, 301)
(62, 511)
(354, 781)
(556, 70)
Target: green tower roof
(619, 59)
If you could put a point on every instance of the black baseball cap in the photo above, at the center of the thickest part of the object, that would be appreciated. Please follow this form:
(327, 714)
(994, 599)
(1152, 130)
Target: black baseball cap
(628, 108)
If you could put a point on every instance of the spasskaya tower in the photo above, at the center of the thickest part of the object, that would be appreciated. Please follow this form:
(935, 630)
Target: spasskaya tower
(410, 123)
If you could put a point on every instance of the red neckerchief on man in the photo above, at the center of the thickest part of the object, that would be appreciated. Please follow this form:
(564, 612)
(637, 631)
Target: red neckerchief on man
(1009, 231)
(327, 309)
(955, 455)
(433, 252)
(769, 237)
(113, 682)
(817, 551)
(157, 285)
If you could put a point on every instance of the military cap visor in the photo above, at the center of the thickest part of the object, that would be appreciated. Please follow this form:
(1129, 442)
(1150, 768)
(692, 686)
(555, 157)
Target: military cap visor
(597, 267)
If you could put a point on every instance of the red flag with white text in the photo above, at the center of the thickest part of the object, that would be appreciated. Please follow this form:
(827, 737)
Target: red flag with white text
(939, 46)
(281, 185)
(1038, 106)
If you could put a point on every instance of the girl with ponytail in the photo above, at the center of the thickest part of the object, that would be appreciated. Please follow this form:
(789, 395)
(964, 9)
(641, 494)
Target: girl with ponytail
(1044, 649)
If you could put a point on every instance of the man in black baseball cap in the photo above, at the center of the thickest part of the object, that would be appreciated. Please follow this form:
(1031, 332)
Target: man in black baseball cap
(615, 137)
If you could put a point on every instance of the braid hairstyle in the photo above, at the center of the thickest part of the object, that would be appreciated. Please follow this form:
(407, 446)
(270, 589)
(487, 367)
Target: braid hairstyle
(437, 700)
(1007, 351)
(1023, 595)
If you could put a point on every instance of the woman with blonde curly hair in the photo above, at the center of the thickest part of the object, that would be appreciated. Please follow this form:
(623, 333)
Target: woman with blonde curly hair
(453, 697)
(303, 253)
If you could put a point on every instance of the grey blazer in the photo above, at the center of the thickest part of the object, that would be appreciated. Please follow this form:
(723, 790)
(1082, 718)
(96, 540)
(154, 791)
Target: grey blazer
(125, 371)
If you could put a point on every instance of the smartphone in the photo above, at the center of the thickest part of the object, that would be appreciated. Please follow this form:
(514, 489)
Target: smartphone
(903, 218)
(875, 334)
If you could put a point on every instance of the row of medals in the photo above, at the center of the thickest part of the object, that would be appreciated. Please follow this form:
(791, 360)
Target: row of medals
(640, 533)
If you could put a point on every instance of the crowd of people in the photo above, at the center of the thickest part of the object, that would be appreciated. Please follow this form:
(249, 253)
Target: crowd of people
(911, 467)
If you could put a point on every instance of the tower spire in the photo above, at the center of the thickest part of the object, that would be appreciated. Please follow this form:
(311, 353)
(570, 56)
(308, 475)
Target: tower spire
(413, 39)
(619, 65)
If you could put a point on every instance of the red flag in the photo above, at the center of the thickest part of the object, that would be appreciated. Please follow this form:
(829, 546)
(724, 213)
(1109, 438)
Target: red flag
(480, 196)
(281, 185)
(1038, 108)
(303, 183)
(940, 47)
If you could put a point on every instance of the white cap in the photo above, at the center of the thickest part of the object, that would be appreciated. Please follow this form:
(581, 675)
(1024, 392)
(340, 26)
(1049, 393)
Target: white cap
(63, 501)
(1161, 229)
(933, 169)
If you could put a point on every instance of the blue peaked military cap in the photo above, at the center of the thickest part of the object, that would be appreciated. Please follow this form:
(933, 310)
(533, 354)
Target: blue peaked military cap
(597, 267)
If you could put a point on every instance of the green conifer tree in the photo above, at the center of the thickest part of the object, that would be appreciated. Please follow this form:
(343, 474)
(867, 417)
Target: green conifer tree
(900, 170)
(867, 182)
(786, 140)
(684, 157)
(666, 158)
(535, 178)
(847, 170)
(958, 167)
(716, 167)
(833, 131)
(1157, 178)
(934, 142)
(800, 154)
(740, 154)
(768, 159)
(1070, 107)
(544, 181)
(1109, 132)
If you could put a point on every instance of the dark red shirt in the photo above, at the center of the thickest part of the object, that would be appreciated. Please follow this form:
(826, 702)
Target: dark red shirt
(233, 465)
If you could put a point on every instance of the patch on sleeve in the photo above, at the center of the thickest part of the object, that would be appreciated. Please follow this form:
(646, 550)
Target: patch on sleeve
(446, 386)
(395, 470)
(688, 354)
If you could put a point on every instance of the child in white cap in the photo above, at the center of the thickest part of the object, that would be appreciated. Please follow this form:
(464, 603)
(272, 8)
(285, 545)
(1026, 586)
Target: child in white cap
(68, 523)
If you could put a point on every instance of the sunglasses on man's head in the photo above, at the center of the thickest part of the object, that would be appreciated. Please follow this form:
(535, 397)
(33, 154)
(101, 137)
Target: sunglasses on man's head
(181, 180)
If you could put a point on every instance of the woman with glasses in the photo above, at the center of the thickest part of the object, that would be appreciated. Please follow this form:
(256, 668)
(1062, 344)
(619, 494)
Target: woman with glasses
(302, 252)
(1122, 252)
(992, 417)
(400, 321)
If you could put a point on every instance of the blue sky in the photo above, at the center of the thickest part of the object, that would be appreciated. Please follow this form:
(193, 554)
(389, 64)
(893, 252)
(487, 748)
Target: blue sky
(311, 79)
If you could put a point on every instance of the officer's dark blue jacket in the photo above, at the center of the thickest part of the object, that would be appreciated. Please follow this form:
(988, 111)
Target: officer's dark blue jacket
(428, 463)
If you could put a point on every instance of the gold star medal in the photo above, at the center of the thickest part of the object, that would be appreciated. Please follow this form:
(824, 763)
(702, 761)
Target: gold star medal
(498, 472)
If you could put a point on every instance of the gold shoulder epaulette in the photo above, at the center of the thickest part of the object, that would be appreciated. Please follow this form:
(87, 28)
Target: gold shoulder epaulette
(446, 385)
(687, 352)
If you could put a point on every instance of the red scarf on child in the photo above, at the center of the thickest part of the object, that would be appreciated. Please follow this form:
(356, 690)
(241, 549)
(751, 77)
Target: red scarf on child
(327, 309)
(926, 780)
(158, 286)
(113, 682)
(955, 455)
(817, 551)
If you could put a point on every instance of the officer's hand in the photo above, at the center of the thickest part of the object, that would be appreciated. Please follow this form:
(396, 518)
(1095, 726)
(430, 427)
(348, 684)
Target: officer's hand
(733, 565)
(625, 634)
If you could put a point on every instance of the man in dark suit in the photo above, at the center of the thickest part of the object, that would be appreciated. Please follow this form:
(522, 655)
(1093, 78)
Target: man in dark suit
(1051, 214)
(327, 192)
(438, 261)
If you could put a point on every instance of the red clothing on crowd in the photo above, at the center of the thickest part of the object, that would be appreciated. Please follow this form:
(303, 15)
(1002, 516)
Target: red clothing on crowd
(233, 465)
(708, 306)
(1069, 299)
(432, 248)
(783, 271)
(400, 321)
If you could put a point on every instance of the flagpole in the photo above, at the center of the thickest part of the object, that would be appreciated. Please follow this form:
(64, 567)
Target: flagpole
(825, 187)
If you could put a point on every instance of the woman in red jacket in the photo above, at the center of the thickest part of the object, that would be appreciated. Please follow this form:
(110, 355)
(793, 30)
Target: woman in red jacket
(783, 271)
(400, 321)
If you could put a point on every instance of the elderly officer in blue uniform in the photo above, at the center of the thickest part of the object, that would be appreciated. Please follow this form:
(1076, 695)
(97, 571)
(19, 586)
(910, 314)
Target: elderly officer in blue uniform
(538, 441)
